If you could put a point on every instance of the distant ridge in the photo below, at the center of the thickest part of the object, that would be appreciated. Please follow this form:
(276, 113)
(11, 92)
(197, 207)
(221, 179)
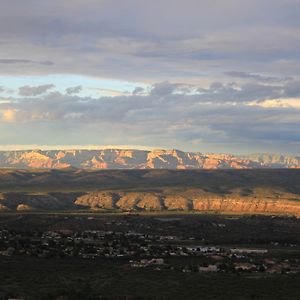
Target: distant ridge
(263, 191)
(140, 159)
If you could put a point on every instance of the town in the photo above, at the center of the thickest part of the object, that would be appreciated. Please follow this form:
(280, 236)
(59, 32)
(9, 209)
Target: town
(139, 245)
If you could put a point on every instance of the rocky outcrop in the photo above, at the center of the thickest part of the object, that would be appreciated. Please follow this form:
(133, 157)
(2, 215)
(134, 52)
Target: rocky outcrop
(29, 201)
(257, 200)
(237, 201)
(95, 201)
(177, 202)
(140, 159)
(23, 207)
(3, 208)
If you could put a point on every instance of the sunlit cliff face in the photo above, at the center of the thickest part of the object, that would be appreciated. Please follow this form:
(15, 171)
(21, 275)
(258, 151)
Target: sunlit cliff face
(141, 159)
(258, 201)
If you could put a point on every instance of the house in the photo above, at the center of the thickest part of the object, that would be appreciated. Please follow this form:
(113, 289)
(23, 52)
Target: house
(203, 249)
(244, 266)
(248, 251)
(209, 268)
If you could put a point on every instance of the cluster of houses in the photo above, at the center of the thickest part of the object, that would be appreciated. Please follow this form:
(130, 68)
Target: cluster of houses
(269, 266)
(276, 267)
(142, 250)
(86, 244)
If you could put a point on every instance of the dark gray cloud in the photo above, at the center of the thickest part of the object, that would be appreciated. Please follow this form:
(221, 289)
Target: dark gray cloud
(163, 89)
(134, 40)
(34, 90)
(138, 90)
(258, 77)
(231, 92)
(292, 89)
(250, 91)
(12, 61)
(74, 90)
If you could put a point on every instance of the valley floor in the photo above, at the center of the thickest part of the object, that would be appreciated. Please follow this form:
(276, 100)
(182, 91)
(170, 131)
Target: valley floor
(154, 256)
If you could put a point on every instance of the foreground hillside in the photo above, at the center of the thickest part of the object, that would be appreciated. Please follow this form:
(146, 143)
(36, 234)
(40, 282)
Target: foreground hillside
(231, 191)
(140, 159)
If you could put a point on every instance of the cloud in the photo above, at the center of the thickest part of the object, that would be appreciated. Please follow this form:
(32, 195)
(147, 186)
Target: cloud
(12, 61)
(241, 93)
(169, 118)
(34, 90)
(149, 42)
(15, 61)
(223, 81)
(246, 75)
(163, 88)
(292, 89)
(285, 102)
(8, 115)
(74, 90)
(138, 90)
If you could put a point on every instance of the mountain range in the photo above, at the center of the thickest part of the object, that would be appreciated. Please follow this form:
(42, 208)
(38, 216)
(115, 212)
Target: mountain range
(140, 159)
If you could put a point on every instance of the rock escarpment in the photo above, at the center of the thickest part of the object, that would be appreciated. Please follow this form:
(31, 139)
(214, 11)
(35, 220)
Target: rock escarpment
(237, 201)
(241, 191)
(141, 159)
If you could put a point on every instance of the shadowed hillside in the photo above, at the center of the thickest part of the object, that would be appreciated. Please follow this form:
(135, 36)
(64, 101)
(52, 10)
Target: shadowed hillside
(238, 191)
(81, 180)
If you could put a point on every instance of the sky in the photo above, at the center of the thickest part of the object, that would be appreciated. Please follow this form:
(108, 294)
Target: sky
(196, 75)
